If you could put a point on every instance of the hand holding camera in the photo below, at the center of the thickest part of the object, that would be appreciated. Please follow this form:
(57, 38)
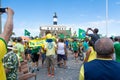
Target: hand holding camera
(89, 29)
(3, 10)
(7, 10)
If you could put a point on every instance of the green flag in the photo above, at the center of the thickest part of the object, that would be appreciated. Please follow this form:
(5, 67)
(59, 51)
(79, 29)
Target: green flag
(68, 32)
(61, 36)
(81, 34)
(26, 33)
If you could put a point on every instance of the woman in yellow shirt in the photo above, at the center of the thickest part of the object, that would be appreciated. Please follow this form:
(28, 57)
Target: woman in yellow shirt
(91, 53)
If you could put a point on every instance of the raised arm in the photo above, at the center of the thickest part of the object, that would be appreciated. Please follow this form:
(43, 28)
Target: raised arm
(88, 30)
(8, 27)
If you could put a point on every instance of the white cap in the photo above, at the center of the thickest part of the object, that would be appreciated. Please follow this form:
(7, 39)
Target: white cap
(12, 48)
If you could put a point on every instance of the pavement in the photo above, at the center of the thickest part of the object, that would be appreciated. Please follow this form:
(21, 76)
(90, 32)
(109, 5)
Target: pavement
(70, 73)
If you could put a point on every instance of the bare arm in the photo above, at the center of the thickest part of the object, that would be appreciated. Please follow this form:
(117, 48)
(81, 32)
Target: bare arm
(8, 27)
(88, 30)
(87, 55)
(65, 49)
(22, 55)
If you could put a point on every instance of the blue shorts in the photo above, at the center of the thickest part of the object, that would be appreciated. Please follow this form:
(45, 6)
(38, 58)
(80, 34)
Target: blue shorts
(60, 57)
(43, 56)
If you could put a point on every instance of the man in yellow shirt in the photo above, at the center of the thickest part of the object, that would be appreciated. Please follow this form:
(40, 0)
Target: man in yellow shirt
(50, 47)
(4, 38)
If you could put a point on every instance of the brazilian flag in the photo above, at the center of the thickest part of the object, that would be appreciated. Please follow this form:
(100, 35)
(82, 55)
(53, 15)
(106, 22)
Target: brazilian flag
(26, 33)
(81, 34)
(61, 36)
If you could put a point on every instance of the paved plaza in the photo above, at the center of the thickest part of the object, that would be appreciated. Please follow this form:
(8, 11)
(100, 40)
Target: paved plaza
(70, 73)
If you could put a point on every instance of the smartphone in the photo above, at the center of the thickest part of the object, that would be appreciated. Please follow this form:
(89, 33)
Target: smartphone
(3, 10)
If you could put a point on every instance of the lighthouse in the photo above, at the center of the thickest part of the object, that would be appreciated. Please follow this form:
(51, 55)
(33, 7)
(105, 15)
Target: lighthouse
(55, 19)
(55, 29)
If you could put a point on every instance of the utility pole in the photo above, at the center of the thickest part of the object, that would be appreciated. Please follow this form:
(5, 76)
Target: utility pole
(0, 21)
(106, 18)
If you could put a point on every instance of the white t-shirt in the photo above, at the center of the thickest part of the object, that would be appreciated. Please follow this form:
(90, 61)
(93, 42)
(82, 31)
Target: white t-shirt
(60, 49)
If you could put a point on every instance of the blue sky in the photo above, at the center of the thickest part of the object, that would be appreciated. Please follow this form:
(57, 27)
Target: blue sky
(31, 14)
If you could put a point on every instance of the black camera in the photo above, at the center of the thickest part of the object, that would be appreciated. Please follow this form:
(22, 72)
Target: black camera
(3, 10)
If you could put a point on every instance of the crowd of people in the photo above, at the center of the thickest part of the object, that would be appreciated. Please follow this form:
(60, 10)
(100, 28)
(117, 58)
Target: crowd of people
(101, 56)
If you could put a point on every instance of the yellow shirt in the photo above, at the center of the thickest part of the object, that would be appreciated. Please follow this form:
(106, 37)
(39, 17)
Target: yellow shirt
(92, 55)
(3, 51)
(42, 48)
(50, 48)
(81, 76)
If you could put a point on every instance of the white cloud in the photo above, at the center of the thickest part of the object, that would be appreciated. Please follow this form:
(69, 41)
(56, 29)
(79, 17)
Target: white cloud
(101, 25)
(118, 21)
(103, 22)
(112, 28)
(117, 3)
(99, 17)
(33, 28)
(20, 31)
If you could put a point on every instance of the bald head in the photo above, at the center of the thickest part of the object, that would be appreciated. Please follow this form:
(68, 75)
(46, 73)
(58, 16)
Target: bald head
(104, 47)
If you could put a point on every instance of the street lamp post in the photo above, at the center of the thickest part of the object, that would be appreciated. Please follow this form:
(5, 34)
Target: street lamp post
(106, 18)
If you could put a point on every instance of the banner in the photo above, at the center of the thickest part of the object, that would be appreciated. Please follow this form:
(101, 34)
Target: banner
(34, 43)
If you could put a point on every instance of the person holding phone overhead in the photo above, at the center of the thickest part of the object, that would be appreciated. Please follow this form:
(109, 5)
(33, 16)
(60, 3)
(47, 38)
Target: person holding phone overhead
(4, 38)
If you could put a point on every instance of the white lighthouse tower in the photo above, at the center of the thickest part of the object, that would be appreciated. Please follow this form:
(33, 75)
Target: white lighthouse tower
(55, 19)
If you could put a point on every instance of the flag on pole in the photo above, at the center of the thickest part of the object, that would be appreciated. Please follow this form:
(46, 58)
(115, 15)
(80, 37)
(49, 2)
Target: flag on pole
(81, 34)
(61, 36)
(26, 33)
(68, 32)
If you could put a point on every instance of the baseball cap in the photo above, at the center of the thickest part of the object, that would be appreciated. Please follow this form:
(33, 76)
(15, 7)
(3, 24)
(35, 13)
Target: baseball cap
(49, 36)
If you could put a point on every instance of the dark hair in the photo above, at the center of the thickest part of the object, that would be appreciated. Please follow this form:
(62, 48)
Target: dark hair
(19, 39)
(47, 32)
(14, 39)
(96, 30)
(75, 40)
(111, 38)
(116, 39)
(91, 44)
(61, 40)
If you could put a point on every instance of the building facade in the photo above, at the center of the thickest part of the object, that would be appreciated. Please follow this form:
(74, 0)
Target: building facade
(55, 29)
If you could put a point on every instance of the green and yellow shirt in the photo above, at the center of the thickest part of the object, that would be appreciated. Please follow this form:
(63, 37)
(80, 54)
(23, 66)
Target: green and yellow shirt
(3, 51)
